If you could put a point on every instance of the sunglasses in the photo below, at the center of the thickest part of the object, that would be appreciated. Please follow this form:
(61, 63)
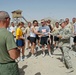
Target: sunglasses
(8, 18)
(42, 22)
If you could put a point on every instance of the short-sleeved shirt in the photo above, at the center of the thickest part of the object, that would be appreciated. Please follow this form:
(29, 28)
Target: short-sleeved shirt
(56, 30)
(27, 30)
(7, 43)
(44, 29)
(13, 29)
(19, 33)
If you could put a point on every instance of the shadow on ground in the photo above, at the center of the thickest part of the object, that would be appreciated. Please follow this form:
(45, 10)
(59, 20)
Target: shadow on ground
(57, 54)
(21, 70)
(38, 73)
(60, 59)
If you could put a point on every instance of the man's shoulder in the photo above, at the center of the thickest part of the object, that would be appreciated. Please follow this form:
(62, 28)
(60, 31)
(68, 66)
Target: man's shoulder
(27, 27)
(6, 33)
(66, 28)
(18, 29)
(40, 26)
(74, 24)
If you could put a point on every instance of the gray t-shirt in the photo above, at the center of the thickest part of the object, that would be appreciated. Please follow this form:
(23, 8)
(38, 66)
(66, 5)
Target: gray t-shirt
(45, 30)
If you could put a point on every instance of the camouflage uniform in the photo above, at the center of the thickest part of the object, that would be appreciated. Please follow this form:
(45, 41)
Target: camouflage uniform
(64, 44)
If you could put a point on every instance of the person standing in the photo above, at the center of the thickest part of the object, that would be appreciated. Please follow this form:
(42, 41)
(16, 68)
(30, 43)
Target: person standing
(27, 36)
(51, 28)
(74, 33)
(55, 32)
(74, 30)
(20, 41)
(8, 49)
(44, 29)
(69, 25)
(13, 29)
(64, 44)
(33, 33)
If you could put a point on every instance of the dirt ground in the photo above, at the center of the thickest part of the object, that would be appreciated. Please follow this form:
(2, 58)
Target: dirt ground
(45, 65)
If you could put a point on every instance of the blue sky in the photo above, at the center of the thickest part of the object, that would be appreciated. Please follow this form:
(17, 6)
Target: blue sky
(38, 9)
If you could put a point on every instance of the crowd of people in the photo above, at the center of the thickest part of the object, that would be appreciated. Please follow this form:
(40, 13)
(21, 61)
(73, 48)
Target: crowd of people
(18, 38)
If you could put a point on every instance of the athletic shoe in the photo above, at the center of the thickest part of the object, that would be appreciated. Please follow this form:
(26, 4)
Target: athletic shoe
(50, 55)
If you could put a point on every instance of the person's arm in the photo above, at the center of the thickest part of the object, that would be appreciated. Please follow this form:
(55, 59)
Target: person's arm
(53, 30)
(36, 32)
(66, 35)
(13, 32)
(14, 53)
(25, 31)
(12, 49)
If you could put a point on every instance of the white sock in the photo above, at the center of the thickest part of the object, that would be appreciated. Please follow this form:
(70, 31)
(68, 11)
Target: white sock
(44, 52)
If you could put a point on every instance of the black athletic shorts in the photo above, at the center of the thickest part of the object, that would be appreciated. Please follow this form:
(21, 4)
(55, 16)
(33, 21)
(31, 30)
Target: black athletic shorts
(44, 40)
(74, 39)
(56, 38)
(37, 37)
(32, 39)
(28, 38)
